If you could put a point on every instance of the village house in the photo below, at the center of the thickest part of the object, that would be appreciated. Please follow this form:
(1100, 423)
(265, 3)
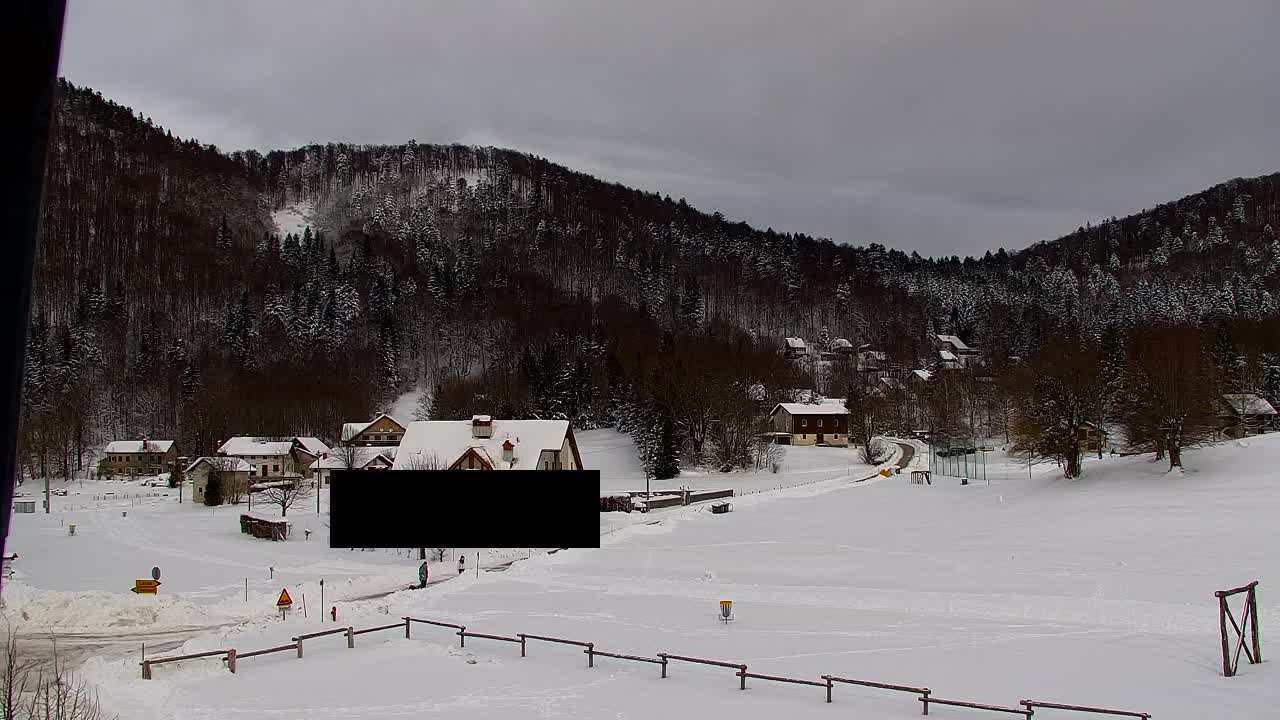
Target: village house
(887, 387)
(276, 458)
(810, 424)
(383, 431)
(1246, 414)
(1093, 439)
(483, 443)
(841, 347)
(232, 472)
(138, 457)
(352, 458)
(794, 348)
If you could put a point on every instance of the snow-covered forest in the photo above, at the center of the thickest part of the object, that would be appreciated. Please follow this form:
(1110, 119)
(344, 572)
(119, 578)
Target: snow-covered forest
(170, 305)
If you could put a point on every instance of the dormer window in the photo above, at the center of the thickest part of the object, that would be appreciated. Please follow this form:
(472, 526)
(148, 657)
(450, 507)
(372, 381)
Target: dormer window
(508, 451)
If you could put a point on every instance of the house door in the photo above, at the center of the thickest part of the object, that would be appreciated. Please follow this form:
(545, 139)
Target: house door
(819, 438)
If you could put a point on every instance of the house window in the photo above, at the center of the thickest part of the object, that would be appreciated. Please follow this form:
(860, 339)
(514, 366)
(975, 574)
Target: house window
(819, 422)
(275, 468)
(804, 422)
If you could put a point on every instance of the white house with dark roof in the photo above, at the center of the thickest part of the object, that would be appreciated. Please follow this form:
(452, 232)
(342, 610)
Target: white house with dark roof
(276, 458)
(483, 443)
(229, 470)
(810, 424)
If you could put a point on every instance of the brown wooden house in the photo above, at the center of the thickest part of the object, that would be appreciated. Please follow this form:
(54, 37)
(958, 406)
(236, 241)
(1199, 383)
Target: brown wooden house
(809, 424)
(383, 431)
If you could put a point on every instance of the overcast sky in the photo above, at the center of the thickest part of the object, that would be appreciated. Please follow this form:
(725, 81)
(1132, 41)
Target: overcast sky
(948, 127)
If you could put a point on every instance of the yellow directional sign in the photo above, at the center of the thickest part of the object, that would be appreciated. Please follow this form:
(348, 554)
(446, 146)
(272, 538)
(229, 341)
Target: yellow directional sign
(146, 586)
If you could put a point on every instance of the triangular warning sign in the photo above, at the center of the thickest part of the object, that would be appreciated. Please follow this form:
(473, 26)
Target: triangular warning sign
(285, 600)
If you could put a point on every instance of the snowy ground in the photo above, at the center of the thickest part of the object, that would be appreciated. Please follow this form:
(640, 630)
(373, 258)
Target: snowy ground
(292, 220)
(1098, 591)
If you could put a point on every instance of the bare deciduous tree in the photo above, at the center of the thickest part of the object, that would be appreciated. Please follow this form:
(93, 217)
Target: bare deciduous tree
(284, 493)
(31, 689)
(1171, 403)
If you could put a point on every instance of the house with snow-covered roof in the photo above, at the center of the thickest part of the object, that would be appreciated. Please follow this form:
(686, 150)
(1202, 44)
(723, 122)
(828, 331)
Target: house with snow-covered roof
(276, 458)
(137, 457)
(810, 424)
(382, 431)
(231, 472)
(483, 443)
(352, 457)
(794, 347)
(1246, 414)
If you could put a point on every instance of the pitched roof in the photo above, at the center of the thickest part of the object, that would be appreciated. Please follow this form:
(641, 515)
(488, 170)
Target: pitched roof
(361, 458)
(1249, 404)
(240, 446)
(447, 440)
(947, 356)
(315, 446)
(235, 464)
(922, 374)
(795, 343)
(893, 382)
(352, 429)
(135, 446)
(807, 409)
(955, 342)
(841, 344)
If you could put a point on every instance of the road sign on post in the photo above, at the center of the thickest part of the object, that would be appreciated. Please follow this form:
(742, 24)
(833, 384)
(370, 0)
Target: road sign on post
(284, 601)
(147, 587)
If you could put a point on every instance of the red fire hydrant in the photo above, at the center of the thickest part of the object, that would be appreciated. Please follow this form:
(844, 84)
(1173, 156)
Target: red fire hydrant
(333, 613)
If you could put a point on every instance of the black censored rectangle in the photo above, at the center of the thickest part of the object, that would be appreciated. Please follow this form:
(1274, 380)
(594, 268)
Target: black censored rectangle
(464, 508)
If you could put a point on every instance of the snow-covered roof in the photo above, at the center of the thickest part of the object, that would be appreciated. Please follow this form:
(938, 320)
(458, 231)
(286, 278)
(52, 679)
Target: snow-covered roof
(893, 383)
(233, 464)
(954, 341)
(808, 409)
(481, 418)
(1249, 404)
(241, 446)
(841, 344)
(795, 343)
(446, 441)
(352, 429)
(135, 446)
(315, 446)
(922, 374)
(947, 356)
(361, 458)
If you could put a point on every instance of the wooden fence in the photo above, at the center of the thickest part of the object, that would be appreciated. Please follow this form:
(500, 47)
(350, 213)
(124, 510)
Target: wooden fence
(1026, 708)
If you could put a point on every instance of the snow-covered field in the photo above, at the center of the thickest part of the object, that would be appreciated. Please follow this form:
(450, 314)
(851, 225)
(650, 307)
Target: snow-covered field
(1098, 591)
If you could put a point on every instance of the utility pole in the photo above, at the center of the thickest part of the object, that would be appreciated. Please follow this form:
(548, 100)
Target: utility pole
(48, 507)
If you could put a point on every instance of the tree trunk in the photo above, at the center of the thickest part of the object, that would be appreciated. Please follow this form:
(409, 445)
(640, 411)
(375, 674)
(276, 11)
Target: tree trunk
(1175, 457)
(422, 553)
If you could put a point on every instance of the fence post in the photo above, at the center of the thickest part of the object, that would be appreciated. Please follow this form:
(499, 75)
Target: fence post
(406, 628)
(351, 637)
(591, 655)
(1257, 641)
(299, 647)
(522, 645)
(925, 697)
(231, 660)
(664, 664)
(462, 636)
(742, 673)
(828, 689)
(146, 670)
(1222, 623)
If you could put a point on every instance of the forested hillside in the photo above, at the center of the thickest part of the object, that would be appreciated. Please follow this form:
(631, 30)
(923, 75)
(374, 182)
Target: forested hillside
(169, 306)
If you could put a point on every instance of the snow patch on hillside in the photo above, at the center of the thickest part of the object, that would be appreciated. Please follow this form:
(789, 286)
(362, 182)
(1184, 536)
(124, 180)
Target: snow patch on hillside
(292, 220)
(405, 406)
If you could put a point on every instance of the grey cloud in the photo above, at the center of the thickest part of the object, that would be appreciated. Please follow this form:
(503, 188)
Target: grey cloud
(944, 127)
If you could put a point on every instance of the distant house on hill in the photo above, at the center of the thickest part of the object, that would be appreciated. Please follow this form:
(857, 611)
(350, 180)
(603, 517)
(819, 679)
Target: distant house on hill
(842, 347)
(1246, 414)
(794, 348)
(232, 472)
(483, 443)
(276, 458)
(809, 424)
(138, 457)
(382, 431)
(888, 386)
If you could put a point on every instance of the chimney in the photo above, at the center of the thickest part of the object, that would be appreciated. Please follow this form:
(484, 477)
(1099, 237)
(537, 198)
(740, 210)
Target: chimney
(508, 451)
(481, 426)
